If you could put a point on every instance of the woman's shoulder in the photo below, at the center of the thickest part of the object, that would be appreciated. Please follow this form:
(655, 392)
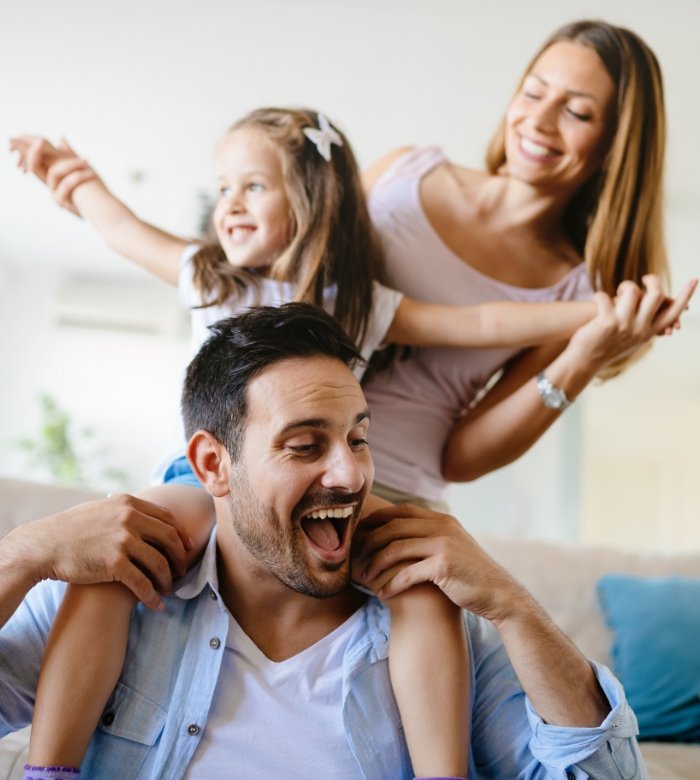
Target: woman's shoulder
(412, 162)
(371, 175)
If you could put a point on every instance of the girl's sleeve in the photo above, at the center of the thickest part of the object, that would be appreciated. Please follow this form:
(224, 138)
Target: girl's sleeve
(385, 303)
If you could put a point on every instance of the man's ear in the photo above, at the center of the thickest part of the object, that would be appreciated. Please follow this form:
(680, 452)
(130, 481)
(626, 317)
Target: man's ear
(210, 462)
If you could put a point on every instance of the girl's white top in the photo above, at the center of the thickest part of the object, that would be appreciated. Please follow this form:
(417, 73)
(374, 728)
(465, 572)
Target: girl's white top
(270, 292)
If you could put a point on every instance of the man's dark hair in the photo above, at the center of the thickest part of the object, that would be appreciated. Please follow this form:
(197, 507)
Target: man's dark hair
(214, 397)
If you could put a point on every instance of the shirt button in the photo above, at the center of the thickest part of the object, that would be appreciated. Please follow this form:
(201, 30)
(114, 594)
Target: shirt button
(214, 642)
(570, 776)
(193, 729)
(108, 719)
(212, 595)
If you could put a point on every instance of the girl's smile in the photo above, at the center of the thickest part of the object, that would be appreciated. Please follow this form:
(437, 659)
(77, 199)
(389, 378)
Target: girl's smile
(252, 215)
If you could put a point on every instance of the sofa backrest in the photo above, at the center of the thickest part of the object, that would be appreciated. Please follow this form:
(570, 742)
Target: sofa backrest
(21, 501)
(563, 579)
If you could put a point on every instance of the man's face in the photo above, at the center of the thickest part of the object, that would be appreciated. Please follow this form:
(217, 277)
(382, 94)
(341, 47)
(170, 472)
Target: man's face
(304, 471)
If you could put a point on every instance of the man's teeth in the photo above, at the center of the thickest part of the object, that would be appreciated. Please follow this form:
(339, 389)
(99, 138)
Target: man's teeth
(337, 512)
(533, 148)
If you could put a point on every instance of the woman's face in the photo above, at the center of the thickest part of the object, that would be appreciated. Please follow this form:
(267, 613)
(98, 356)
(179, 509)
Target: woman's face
(558, 124)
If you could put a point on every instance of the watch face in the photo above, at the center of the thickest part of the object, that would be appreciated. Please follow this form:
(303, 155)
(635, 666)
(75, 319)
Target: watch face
(552, 397)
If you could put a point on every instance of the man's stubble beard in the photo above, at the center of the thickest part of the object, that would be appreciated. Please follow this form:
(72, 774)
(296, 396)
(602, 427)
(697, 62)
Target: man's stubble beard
(276, 546)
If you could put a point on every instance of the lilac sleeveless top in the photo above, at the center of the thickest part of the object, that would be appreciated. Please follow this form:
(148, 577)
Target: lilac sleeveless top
(416, 402)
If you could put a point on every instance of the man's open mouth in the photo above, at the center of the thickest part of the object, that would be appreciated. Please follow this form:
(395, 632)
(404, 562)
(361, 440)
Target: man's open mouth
(327, 527)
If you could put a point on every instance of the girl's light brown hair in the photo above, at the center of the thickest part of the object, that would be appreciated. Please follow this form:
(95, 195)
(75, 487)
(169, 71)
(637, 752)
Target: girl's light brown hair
(332, 241)
(615, 220)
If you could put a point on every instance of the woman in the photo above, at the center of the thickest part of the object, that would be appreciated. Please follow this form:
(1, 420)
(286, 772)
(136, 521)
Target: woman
(571, 201)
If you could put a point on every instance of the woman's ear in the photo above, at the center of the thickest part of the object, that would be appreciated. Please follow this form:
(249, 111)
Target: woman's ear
(210, 462)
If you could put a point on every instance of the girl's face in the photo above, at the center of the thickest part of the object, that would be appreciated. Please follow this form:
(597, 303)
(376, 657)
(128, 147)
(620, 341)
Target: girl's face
(558, 124)
(252, 215)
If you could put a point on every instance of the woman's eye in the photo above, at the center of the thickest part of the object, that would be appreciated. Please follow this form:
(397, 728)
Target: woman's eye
(255, 186)
(225, 192)
(358, 444)
(578, 115)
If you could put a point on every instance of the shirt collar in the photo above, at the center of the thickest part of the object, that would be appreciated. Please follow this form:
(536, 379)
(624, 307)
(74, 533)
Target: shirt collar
(202, 574)
(373, 643)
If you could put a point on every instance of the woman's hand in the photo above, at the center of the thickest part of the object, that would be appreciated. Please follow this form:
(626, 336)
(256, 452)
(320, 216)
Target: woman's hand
(629, 321)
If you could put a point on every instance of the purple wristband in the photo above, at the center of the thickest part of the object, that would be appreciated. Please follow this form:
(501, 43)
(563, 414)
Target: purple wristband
(49, 772)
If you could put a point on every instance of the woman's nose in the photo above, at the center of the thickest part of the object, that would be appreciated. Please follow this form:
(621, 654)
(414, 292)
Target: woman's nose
(543, 115)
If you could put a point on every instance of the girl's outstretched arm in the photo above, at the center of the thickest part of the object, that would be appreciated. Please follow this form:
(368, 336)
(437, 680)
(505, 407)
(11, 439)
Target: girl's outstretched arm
(77, 187)
(488, 325)
(87, 645)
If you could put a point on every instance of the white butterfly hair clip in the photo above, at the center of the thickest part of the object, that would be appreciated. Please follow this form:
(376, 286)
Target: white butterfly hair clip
(323, 136)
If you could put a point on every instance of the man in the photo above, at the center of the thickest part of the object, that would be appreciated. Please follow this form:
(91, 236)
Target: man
(278, 427)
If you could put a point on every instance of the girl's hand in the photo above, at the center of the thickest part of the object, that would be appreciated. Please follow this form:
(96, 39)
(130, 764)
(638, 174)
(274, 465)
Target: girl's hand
(401, 546)
(36, 155)
(629, 321)
(59, 167)
(65, 176)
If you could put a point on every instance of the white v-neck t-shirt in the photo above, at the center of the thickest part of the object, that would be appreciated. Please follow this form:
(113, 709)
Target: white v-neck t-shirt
(283, 719)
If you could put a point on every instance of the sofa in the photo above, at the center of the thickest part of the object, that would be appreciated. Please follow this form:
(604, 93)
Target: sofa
(562, 577)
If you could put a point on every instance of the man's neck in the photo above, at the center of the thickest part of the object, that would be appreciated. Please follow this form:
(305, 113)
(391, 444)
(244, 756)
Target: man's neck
(279, 620)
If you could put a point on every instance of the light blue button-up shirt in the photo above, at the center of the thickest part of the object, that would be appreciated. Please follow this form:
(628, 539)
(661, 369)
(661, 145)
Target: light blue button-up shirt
(155, 718)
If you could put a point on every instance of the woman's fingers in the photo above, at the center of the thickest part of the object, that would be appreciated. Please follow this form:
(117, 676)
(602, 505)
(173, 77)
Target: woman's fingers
(670, 313)
(627, 302)
(652, 300)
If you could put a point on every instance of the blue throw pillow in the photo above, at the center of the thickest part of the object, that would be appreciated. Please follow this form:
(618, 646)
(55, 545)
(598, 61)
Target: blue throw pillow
(656, 650)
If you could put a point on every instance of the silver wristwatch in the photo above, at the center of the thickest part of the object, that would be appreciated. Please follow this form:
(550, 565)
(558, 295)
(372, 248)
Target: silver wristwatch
(553, 397)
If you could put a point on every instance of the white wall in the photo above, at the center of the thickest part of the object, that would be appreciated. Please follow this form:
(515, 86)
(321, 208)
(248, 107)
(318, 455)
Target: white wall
(144, 89)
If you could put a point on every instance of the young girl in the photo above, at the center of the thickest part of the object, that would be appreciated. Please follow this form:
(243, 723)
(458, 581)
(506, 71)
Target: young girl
(292, 224)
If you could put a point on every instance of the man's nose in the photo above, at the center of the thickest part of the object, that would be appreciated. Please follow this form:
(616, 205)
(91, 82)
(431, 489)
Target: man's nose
(344, 471)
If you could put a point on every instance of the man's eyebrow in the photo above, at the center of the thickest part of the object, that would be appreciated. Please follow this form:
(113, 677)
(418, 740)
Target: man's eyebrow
(573, 92)
(320, 422)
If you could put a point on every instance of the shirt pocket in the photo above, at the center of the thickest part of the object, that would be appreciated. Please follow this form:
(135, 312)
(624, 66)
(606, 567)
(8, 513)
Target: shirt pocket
(130, 715)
